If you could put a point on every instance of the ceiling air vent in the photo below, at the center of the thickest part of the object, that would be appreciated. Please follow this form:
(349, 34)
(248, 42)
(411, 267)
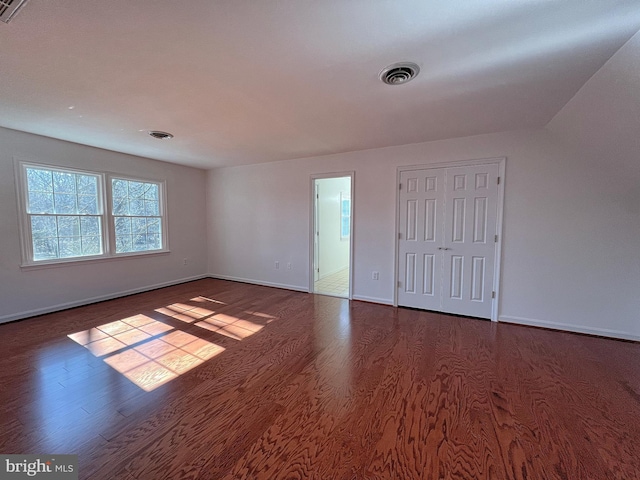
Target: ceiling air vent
(399, 73)
(9, 9)
(160, 135)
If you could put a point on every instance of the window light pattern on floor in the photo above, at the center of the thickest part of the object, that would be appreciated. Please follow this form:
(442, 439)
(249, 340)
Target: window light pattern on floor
(146, 351)
(151, 353)
(220, 323)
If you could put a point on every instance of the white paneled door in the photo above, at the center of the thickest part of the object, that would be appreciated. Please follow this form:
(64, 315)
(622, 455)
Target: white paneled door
(447, 239)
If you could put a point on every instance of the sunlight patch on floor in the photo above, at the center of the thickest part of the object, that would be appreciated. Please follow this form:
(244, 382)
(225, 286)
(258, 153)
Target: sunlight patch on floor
(148, 352)
(151, 353)
(230, 326)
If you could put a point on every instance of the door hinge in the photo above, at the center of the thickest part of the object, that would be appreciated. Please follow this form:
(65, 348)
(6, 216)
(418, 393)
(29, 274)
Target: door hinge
(399, 283)
(399, 186)
(498, 180)
(493, 294)
(495, 238)
(399, 236)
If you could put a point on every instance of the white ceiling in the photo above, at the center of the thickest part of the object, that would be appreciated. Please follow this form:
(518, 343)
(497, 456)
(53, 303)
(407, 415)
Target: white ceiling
(248, 81)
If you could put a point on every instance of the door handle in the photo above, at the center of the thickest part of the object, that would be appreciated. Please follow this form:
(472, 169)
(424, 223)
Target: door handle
(444, 248)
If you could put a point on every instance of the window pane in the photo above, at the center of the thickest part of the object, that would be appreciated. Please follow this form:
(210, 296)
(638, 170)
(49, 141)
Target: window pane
(345, 207)
(88, 205)
(139, 243)
(45, 248)
(68, 226)
(123, 226)
(344, 231)
(40, 202)
(154, 242)
(123, 244)
(69, 247)
(89, 226)
(120, 206)
(151, 192)
(151, 208)
(91, 246)
(136, 189)
(39, 180)
(43, 227)
(64, 182)
(65, 203)
(120, 189)
(136, 207)
(153, 225)
(87, 185)
(139, 225)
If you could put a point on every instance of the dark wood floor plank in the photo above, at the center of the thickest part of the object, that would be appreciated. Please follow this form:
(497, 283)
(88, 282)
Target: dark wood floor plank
(308, 387)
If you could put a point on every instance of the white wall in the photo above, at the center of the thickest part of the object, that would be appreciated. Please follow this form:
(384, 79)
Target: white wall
(334, 251)
(570, 243)
(603, 118)
(27, 292)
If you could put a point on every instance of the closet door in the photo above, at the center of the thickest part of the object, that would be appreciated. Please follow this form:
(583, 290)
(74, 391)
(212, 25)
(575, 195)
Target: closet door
(421, 221)
(446, 246)
(471, 211)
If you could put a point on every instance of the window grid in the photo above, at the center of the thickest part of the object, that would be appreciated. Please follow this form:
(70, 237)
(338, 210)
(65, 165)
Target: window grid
(136, 215)
(63, 210)
(65, 236)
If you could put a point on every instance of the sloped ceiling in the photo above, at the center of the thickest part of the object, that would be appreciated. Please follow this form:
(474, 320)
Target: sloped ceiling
(245, 81)
(603, 118)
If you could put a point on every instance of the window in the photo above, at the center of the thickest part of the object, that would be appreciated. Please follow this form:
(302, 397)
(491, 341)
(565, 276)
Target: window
(136, 215)
(345, 215)
(65, 215)
(64, 212)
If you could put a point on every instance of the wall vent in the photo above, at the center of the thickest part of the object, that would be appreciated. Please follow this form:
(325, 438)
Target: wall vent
(9, 9)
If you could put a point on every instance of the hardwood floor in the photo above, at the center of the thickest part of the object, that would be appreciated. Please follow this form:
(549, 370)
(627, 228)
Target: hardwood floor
(221, 380)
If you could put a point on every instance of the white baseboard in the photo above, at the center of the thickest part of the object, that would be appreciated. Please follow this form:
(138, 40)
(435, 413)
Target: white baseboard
(602, 332)
(101, 298)
(363, 298)
(297, 288)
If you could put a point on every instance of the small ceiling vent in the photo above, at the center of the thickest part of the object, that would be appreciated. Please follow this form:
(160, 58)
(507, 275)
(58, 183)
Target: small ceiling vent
(9, 9)
(160, 135)
(399, 73)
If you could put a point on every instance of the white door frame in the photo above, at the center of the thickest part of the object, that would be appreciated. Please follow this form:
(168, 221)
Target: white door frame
(501, 162)
(312, 224)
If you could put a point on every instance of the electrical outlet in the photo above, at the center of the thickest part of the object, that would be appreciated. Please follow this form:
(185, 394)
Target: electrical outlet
(375, 275)
(277, 265)
(288, 265)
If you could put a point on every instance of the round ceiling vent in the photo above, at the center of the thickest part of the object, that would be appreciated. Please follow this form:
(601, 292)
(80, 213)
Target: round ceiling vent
(399, 73)
(160, 135)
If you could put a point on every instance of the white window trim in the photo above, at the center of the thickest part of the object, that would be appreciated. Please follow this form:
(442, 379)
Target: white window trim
(162, 194)
(105, 209)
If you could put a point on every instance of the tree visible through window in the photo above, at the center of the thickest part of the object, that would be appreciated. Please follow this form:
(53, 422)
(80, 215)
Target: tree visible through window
(64, 211)
(136, 215)
(68, 215)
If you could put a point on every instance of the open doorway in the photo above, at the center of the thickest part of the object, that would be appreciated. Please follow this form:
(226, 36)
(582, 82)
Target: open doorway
(331, 233)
